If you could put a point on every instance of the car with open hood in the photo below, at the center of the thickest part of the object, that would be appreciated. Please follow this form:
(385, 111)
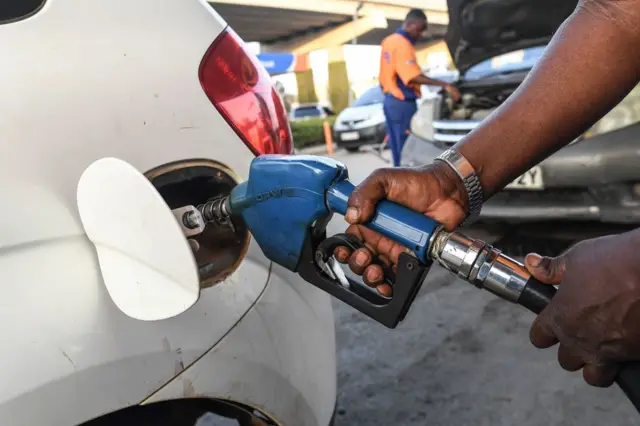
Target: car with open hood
(494, 44)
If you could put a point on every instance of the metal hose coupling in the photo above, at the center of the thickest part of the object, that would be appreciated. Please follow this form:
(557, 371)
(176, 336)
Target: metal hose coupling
(479, 263)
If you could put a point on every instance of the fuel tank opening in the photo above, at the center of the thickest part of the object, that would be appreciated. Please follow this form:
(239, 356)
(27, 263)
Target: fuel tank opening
(220, 249)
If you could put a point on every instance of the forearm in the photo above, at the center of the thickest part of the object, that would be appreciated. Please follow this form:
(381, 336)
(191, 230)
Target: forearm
(589, 66)
(423, 79)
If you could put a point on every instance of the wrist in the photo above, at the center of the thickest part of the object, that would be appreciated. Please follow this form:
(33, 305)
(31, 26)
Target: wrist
(451, 185)
(470, 180)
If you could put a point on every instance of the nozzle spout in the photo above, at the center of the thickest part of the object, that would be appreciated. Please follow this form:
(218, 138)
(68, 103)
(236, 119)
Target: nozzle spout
(217, 211)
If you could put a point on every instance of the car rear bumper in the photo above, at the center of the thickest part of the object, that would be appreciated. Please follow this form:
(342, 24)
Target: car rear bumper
(280, 357)
(593, 180)
(366, 136)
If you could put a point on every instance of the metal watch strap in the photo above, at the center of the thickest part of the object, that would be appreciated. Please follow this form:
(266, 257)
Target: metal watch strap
(467, 173)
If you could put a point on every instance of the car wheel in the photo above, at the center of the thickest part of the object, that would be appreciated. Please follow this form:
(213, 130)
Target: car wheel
(353, 149)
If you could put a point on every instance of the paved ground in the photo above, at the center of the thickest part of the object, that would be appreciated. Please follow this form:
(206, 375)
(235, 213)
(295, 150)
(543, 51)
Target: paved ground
(460, 358)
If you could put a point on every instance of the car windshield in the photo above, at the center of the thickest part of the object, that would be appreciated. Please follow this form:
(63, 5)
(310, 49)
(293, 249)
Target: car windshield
(370, 97)
(310, 111)
(519, 60)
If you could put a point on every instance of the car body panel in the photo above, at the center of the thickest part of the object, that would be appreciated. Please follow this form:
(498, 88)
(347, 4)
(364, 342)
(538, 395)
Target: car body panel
(79, 350)
(252, 363)
(604, 159)
(87, 80)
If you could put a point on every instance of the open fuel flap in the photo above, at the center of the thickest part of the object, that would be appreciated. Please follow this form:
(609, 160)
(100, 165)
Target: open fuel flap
(152, 264)
(146, 263)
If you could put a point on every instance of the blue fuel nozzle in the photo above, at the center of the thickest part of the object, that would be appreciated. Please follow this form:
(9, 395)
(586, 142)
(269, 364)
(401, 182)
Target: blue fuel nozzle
(287, 202)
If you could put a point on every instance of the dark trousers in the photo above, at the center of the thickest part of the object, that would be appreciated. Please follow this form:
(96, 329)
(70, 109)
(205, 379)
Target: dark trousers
(398, 115)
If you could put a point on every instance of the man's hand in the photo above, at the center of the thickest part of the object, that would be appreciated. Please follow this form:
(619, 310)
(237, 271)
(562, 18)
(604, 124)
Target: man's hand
(453, 92)
(434, 190)
(595, 315)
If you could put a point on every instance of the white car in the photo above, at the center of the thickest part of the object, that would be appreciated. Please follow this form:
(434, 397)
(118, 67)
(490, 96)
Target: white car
(363, 122)
(165, 87)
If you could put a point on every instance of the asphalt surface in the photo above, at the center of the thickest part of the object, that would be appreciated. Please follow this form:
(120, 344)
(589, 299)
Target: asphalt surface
(461, 357)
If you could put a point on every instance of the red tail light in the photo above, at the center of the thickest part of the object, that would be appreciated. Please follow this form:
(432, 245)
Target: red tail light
(240, 88)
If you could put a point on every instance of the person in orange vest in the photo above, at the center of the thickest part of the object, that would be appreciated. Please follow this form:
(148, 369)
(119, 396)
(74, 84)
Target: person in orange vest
(400, 79)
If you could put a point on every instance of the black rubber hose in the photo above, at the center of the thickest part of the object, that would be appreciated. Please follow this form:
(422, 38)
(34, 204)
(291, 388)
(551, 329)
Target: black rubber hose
(536, 296)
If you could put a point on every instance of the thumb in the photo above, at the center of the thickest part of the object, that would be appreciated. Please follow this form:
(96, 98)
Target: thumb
(548, 270)
(363, 199)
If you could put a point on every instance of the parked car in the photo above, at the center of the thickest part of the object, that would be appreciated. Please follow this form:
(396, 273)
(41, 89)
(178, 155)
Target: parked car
(169, 89)
(362, 123)
(309, 111)
(595, 179)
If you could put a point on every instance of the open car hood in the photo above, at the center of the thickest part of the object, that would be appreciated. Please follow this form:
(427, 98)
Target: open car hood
(481, 29)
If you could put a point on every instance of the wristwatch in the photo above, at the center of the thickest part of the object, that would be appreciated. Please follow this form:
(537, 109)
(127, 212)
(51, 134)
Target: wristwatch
(471, 181)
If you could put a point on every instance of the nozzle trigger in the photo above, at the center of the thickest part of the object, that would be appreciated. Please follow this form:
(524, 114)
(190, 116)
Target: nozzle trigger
(389, 311)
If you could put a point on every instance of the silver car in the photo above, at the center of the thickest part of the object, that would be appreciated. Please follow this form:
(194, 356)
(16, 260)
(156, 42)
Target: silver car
(362, 123)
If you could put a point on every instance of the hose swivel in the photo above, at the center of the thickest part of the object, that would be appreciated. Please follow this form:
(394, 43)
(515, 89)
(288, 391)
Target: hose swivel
(479, 263)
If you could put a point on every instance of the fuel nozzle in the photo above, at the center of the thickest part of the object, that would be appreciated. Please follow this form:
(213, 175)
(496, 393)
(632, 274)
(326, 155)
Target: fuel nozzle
(480, 264)
(216, 210)
(193, 220)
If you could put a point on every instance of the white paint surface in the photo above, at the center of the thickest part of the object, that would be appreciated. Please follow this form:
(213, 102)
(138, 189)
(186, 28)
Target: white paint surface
(283, 362)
